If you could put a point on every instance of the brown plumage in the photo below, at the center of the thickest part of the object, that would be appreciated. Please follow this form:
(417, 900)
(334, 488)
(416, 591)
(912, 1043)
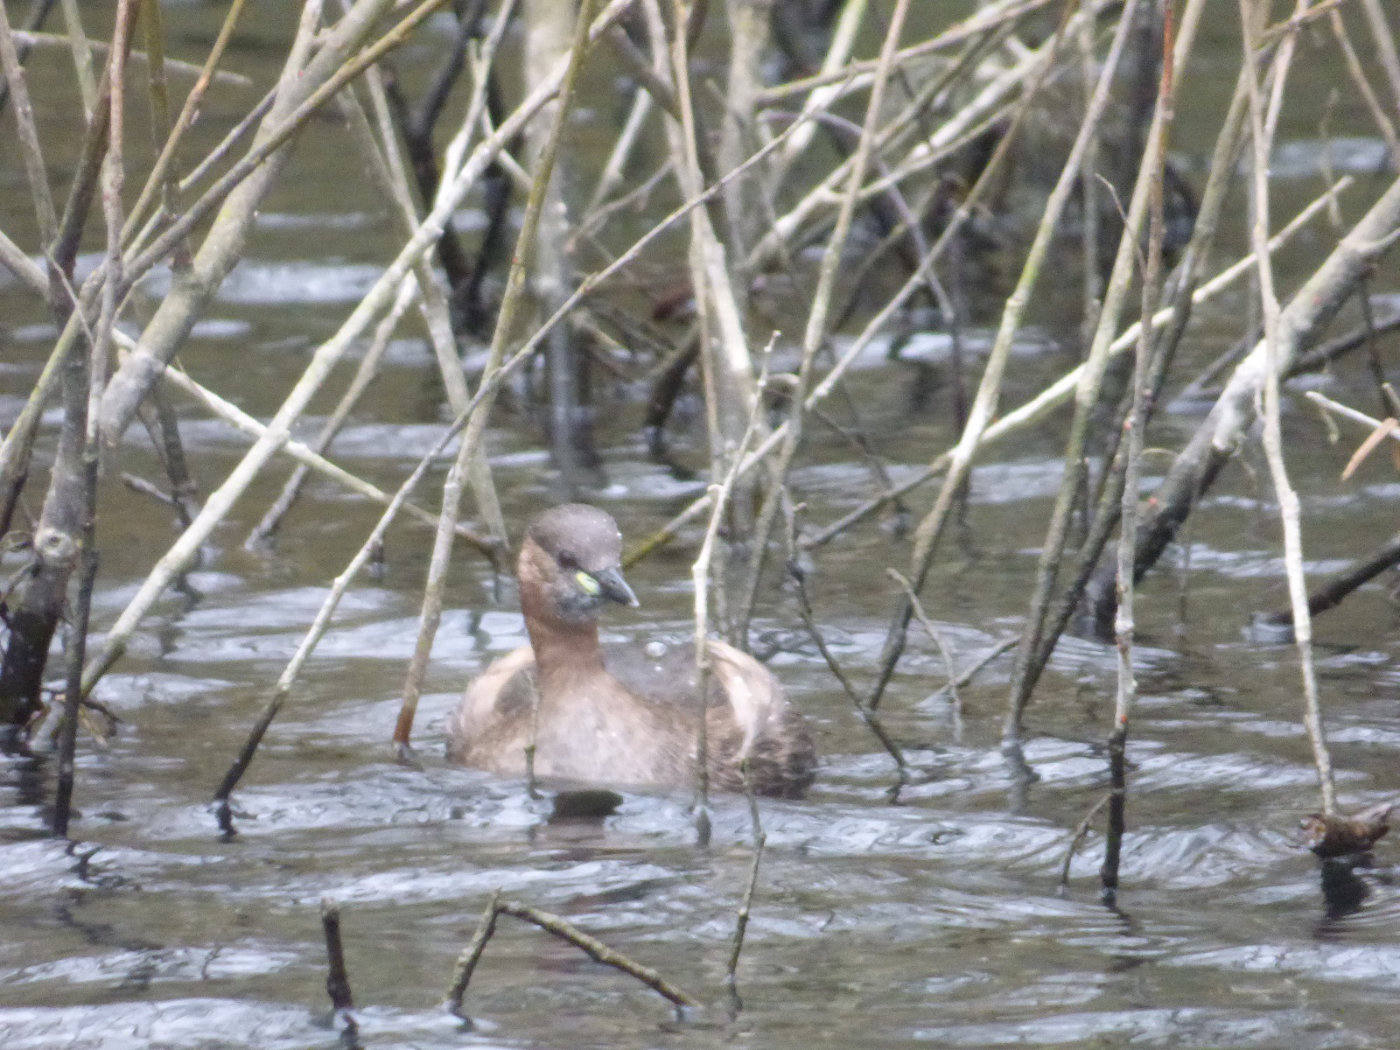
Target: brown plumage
(625, 715)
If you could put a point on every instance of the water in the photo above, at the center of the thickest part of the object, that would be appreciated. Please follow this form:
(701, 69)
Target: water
(937, 921)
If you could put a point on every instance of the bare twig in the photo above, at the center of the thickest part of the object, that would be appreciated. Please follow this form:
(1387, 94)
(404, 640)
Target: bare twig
(1087, 394)
(1125, 623)
(83, 412)
(877, 323)
(700, 576)
(988, 394)
(741, 919)
(1079, 833)
(1363, 88)
(817, 317)
(431, 612)
(867, 716)
(54, 40)
(975, 668)
(1274, 360)
(1062, 389)
(337, 977)
(471, 955)
(1382, 36)
(565, 931)
(30, 150)
(298, 451)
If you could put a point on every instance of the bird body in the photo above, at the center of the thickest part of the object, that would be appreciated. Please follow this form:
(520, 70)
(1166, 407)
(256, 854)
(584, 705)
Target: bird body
(621, 714)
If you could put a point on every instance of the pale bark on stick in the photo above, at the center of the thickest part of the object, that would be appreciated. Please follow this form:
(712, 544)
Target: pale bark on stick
(167, 237)
(84, 515)
(324, 359)
(743, 205)
(365, 371)
(63, 535)
(858, 75)
(368, 365)
(1062, 389)
(1251, 15)
(162, 173)
(1181, 292)
(192, 288)
(622, 151)
(380, 146)
(511, 304)
(25, 269)
(433, 299)
(297, 450)
(1331, 594)
(1385, 46)
(730, 393)
(1125, 624)
(1034, 410)
(1308, 312)
(820, 199)
(88, 86)
(436, 311)
(566, 931)
(548, 27)
(1089, 187)
(77, 42)
(34, 608)
(30, 151)
(63, 250)
(18, 446)
(874, 327)
(727, 365)
(989, 389)
(158, 89)
(1087, 396)
(701, 577)
(817, 319)
(824, 94)
(224, 245)
(1357, 72)
(454, 158)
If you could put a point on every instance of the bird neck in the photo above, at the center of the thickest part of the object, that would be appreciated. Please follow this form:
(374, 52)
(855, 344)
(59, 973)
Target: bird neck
(565, 651)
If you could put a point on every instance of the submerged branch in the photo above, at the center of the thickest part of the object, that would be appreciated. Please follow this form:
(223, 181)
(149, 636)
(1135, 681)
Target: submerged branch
(565, 931)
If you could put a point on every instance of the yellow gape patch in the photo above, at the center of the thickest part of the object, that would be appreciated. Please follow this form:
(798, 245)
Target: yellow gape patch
(588, 584)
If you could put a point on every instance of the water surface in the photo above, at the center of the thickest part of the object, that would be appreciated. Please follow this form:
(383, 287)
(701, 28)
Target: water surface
(937, 921)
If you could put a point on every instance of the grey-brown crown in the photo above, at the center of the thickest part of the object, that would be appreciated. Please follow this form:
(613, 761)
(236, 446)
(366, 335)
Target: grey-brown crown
(578, 534)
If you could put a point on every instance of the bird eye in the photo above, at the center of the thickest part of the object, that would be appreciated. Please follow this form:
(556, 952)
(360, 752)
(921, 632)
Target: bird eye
(567, 560)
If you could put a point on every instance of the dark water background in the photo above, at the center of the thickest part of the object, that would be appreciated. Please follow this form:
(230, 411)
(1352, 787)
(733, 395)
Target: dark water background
(933, 922)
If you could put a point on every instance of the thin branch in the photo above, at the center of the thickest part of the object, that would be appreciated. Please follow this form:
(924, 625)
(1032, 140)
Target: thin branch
(565, 931)
(30, 151)
(741, 919)
(1274, 361)
(511, 303)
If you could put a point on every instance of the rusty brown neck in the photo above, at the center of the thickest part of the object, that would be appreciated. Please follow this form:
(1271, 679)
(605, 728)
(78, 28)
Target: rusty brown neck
(565, 652)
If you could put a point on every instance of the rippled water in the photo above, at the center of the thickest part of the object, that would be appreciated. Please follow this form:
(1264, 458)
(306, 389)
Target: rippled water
(936, 921)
